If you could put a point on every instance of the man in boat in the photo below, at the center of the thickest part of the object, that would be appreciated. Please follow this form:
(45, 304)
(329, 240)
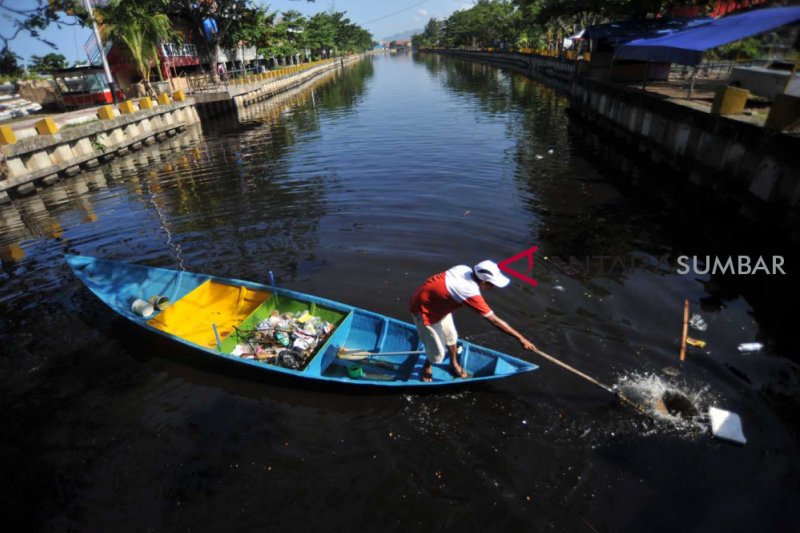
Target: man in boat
(435, 300)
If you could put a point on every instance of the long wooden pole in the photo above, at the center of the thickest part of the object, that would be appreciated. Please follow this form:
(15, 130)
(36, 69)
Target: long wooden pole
(590, 379)
(574, 370)
(685, 329)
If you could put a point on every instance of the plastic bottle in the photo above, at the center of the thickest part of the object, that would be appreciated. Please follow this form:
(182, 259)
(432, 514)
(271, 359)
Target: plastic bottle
(282, 338)
(750, 347)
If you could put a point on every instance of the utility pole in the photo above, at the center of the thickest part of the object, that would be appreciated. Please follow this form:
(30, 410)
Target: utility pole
(109, 78)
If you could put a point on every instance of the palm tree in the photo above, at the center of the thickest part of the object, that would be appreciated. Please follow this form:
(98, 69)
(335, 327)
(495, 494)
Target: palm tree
(139, 30)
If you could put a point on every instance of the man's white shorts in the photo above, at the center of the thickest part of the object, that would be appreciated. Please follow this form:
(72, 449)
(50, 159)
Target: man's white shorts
(436, 336)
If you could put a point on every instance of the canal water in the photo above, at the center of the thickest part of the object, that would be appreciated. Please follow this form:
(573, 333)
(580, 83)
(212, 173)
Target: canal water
(356, 189)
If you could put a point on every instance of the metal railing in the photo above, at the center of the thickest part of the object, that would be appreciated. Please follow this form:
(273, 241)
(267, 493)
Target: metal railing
(178, 50)
(216, 82)
(707, 69)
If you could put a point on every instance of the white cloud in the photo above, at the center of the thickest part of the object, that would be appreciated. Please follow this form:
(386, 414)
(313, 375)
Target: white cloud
(422, 12)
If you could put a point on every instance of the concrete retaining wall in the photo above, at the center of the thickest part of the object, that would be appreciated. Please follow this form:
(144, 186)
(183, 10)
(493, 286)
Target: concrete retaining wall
(36, 156)
(239, 96)
(755, 167)
(555, 71)
(46, 154)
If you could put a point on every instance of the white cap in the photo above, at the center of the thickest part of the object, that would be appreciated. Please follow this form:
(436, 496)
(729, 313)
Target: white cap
(488, 271)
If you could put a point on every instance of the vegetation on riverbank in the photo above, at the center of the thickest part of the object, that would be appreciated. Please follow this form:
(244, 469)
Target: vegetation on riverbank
(542, 24)
(139, 26)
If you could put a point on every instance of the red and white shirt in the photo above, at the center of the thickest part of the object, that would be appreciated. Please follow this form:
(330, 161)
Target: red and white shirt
(443, 293)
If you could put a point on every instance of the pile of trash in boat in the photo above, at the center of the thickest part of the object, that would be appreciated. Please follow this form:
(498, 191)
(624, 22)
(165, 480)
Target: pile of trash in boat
(284, 339)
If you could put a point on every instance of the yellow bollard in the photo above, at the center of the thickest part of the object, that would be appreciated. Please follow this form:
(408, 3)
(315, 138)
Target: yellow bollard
(179, 96)
(146, 103)
(729, 100)
(12, 252)
(105, 113)
(126, 107)
(7, 135)
(785, 112)
(163, 99)
(46, 126)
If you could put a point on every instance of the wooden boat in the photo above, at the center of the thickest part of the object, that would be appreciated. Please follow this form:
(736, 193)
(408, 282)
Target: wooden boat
(211, 315)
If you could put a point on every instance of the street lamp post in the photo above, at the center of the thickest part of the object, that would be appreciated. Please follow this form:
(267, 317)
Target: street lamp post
(109, 78)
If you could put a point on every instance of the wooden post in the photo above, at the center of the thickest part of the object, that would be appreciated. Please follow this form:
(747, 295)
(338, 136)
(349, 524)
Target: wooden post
(646, 74)
(685, 329)
(691, 83)
(611, 66)
(791, 75)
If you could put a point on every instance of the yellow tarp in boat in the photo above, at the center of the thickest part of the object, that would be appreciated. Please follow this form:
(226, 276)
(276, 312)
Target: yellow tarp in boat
(191, 317)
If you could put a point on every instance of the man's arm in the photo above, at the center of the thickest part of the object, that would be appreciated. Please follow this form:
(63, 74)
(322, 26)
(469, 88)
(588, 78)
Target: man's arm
(503, 326)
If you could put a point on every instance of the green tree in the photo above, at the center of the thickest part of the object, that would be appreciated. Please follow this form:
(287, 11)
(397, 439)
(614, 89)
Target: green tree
(33, 16)
(8, 63)
(746, 48)
(227, 15)
(321, 32)
(139, 29)
(48, 63)
(292, 30)
(431, 35)
(255, 28)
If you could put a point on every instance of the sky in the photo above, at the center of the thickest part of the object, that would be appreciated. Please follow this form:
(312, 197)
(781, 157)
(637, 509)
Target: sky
(382, 18)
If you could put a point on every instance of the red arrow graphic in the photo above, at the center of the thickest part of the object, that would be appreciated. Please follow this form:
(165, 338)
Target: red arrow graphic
(503, 265)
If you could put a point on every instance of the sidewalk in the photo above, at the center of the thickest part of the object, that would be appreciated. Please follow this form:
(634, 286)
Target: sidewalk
(25, 127)
(676, 90)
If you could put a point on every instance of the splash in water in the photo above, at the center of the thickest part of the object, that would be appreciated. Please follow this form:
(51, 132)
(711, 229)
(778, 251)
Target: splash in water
(677, 404)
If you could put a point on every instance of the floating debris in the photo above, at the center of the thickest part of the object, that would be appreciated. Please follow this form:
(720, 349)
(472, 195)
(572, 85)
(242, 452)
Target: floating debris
(671, 371)
(748, 347)
(697, 322)
(695, 342)
(726, 425)
(559, 288)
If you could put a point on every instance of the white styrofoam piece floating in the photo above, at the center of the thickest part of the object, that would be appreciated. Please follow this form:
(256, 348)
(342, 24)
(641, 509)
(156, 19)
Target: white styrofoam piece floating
(726, 425)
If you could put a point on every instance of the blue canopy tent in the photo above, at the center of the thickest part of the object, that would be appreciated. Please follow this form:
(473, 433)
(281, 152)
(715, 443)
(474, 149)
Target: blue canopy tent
(687, 47)
(603, 38)
(616, 33)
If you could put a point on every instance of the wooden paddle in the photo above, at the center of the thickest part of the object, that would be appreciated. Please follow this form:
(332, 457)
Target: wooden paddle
(358, 355)
(659, 406)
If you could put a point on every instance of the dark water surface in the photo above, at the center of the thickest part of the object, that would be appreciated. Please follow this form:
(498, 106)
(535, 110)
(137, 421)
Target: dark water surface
(357, 189)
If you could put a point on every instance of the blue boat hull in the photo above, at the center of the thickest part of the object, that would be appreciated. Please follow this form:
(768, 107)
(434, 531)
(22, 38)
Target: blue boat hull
(119, 284)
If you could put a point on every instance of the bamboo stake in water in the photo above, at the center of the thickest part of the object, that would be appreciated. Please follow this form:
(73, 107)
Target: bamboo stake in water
(685, 329)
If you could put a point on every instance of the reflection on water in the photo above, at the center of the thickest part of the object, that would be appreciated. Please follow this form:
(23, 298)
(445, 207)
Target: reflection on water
(356, 188)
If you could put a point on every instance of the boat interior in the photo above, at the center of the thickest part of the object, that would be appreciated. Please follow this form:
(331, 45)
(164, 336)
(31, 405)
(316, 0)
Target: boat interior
(215, 314)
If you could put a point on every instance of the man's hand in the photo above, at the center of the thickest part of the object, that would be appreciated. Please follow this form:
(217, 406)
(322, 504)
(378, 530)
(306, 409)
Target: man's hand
(504, 327)
(527, 345)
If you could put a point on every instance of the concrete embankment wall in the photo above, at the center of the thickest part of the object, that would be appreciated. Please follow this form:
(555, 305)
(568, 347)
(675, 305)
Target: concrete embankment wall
(259, 87)
(756, 168)
(42, 153)
(555, 71)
